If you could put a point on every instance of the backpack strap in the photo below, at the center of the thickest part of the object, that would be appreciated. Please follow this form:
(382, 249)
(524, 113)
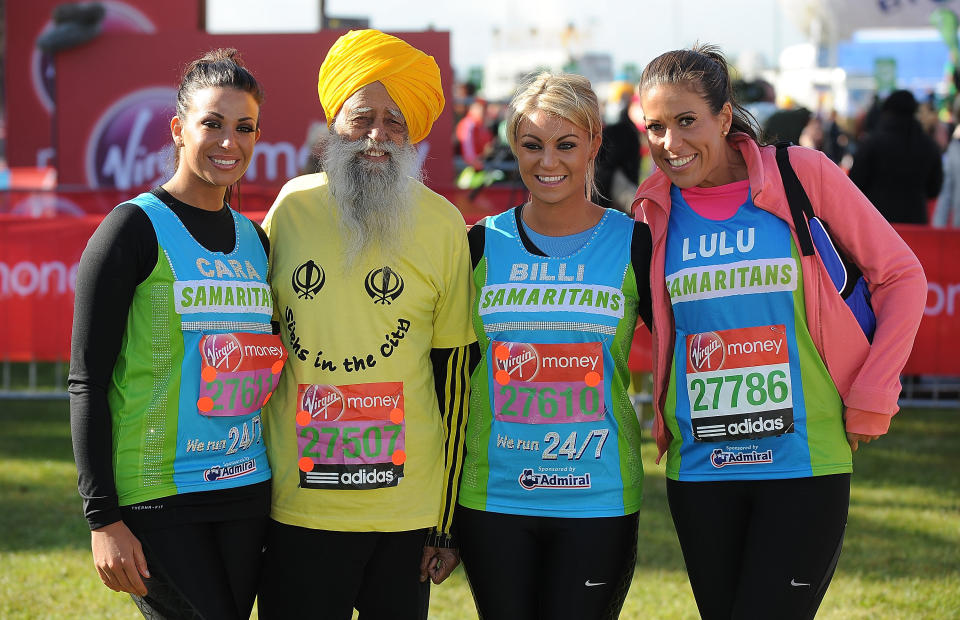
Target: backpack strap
(802, 212)
(800, 208)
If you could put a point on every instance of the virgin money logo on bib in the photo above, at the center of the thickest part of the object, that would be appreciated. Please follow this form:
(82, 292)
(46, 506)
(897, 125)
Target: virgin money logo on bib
(739, 383)
(351, 437)
(706, 351)
(323, 402)
(126, 147)
(548, 383)
(222, 351)
(519, 360)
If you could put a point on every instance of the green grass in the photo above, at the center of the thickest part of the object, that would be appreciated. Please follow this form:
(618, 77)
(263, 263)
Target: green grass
(901, 558)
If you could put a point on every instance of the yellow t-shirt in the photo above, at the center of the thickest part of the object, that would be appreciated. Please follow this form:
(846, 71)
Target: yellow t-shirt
(354, 434)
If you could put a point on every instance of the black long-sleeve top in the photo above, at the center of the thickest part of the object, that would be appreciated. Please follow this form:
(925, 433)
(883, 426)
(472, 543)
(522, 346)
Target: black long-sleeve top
(120, 255)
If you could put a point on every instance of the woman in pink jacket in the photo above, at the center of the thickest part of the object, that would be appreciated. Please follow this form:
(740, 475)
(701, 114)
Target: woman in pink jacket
(764, 381)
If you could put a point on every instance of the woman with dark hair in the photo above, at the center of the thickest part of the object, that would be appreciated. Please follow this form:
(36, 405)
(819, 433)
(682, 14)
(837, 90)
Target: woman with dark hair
(898, 166)
(552, 473)
(764, 382)
(172, 358)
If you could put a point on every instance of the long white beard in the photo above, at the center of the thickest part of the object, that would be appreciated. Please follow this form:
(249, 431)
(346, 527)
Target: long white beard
(373, 198)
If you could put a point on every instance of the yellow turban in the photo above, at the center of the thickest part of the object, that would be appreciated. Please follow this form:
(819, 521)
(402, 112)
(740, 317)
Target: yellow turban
(361, 57)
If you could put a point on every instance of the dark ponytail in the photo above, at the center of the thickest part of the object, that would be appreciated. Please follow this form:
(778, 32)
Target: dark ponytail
(221, 68)
(705, 70)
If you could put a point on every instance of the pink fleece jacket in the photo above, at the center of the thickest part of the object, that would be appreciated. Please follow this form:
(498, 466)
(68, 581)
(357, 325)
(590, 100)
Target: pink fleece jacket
(867, 376)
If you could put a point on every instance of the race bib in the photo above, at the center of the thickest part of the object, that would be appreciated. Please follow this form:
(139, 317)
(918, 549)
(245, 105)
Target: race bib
(738, 383)
(238, 372)
(547, 383)
(351, 437)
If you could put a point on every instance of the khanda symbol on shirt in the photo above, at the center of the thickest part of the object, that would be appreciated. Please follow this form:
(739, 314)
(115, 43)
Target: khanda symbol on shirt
(383, 285)
(308, 279)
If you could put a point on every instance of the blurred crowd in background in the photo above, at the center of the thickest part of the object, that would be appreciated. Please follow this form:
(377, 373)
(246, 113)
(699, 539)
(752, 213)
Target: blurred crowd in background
(901, 152)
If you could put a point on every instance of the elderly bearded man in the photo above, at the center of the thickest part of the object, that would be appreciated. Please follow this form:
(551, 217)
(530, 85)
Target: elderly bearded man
(370, 271)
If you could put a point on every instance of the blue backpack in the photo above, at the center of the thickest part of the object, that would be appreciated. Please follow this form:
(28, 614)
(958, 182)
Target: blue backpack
(812, 232)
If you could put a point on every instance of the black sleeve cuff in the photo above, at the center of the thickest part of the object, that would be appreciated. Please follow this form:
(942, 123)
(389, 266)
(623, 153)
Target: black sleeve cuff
(439, 539)
(103, 518)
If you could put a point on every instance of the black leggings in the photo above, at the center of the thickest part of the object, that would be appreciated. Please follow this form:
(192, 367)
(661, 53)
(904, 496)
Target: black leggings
(202, 570)
(760, 548)
(324, 575)
(524, 568)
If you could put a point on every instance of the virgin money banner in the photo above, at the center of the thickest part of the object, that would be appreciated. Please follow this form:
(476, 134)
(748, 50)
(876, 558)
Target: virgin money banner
(473, 205)
(88, 202)
(116, 95)
(59, 204)
(39, 257)
(29, 72)
(934, 351)
(38, 271)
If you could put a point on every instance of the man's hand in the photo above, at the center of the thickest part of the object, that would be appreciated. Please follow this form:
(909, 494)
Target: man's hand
(854, 439)
(119, 558)
(438, 563)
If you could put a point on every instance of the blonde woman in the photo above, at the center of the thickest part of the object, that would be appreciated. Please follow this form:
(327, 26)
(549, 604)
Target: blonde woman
(552, 479)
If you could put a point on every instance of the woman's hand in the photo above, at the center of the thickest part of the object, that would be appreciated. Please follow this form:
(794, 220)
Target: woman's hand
(854, 439)
(119, 558)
